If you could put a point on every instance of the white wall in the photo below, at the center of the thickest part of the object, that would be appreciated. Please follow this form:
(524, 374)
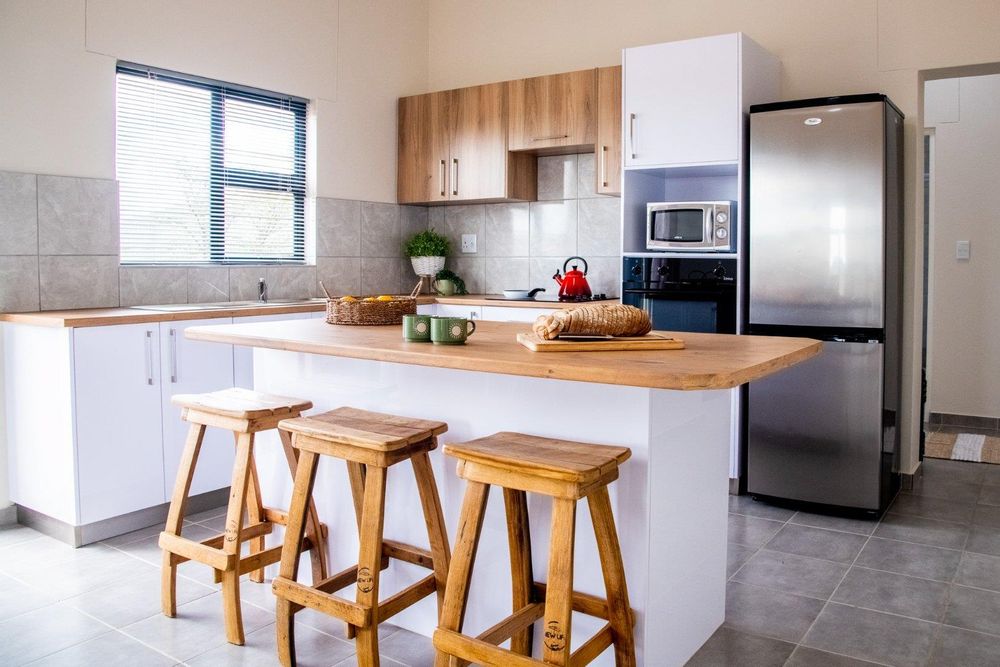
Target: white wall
(827, 47)
(964, 317)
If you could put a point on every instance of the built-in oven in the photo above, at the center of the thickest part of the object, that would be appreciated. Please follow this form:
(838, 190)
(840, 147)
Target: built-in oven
(683, 294)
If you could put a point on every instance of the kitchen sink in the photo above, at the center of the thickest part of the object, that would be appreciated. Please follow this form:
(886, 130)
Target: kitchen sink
(227, 305)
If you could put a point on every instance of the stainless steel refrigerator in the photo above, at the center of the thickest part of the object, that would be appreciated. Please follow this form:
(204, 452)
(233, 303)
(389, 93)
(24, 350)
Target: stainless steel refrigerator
(824, 255)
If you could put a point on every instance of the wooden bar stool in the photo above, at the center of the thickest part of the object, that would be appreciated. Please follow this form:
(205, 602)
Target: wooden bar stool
(369, 442)
(566, 471)
(245, 413)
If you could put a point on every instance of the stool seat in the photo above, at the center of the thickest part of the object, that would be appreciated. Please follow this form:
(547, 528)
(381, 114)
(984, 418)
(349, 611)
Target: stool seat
(362, 428)
(241, 403)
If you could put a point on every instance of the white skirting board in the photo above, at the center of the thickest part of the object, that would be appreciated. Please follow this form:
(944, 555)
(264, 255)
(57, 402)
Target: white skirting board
(8, 515)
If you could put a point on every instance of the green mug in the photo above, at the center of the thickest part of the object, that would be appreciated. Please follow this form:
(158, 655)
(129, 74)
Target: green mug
(417, 328)
(451, 330)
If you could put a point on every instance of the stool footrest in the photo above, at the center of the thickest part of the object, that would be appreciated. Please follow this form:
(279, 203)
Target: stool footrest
(478, 651)
(593, 647)
(307, 596)
(344, 578)
(197, 551)
(408, 553)
(408, 596)
(585, 603)
(510, 626)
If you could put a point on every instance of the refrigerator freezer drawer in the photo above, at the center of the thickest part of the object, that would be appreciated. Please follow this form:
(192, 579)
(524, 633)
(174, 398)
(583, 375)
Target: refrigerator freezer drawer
(815, 430)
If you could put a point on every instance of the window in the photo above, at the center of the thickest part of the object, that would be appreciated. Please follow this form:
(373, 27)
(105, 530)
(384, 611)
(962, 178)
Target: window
(208, 172)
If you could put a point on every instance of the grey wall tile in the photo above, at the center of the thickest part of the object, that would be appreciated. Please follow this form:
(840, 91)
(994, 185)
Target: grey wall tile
(407, 276)
(412, 219)
(552, 228)
(77, 216)
(470, 269)
(340, 275)
(506, 230)
(74, 281)
(604, 276)
(380, 275)
(243, 282)
(338, 227)
(18, 214)
(435, 218)
(150, 285)
(291, 282)
(599, 227)
(507, 273)
(586, 180)
(208, 284)
(540, 271)
(557, 177)
(18, 284)
(380, 230)
(460, 220)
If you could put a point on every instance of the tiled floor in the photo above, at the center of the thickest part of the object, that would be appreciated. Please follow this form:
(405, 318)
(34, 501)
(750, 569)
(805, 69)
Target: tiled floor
(919, 587)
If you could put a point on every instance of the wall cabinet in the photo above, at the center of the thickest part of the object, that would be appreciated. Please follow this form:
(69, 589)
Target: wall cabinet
(453, 147)
(608, 151)
(554, 114)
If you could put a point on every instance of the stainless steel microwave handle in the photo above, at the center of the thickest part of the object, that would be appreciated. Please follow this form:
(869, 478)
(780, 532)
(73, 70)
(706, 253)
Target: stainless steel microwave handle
(631, 132)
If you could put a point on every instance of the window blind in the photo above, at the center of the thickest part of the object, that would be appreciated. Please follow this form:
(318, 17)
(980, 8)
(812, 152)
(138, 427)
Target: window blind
(208, 172)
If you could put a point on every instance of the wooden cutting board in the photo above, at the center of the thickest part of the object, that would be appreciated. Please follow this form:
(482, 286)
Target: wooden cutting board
(652, 341)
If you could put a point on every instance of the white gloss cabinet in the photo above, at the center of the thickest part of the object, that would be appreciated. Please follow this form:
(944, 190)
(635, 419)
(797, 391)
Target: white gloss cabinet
(507, 314)
(451, 310)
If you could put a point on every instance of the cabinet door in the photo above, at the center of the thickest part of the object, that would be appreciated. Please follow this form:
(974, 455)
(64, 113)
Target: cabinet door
(554, 114)
(508, 314)
(451, 310)
(119, 446)
(478, 140)
(608, 153)
(194, 367)
(422, 166)
(682, 102)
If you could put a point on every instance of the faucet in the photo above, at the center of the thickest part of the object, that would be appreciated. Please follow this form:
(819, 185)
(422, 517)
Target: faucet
(262, 290)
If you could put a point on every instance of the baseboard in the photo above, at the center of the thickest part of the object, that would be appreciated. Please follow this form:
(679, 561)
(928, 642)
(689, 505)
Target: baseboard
(969, 421)
(8, 515)
(734, 486)
(78, 536)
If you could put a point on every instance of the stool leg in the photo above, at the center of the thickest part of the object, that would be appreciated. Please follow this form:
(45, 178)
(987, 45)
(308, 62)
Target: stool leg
(522, 578)
(369, 563)
(255, 514)
(231, 542)
(470, 525)
(559, 588)
(291, 549)
(318, 554)
(437, 533)
(356, 475)
(175, 516)
(608, 548)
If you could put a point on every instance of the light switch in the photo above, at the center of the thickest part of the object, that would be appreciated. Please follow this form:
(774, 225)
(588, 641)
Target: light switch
(963, 249)
(468, 243)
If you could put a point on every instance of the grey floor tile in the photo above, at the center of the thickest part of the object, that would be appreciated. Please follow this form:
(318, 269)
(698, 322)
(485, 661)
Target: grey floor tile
(933, 508)
(974, 609)
(817, 543)
(939, 470)
(991, 475)
(18, 598)
(871, 635)
(758, 508)
(907, 528)
(408, 648)
(844, 524)
(207, 514)
(989, 495)
(916, 560)
(730, 647)
(894, 593)
(750, 531)
(14, 533)
(40, 551)
(736, 555)
(984, 540)
(761, 611)
(134, 536)
(963, 492)
(986, 515)
(108, 650)
(964, 647)
(130, 600)
(43, 631)
(980, 571)
(331, 625)
(260, 595)
(384, 660)
(198, 627)
(215, 524)
(312, 649)
(792, 574)
(88, 569)
(148, 548)
(803, 656)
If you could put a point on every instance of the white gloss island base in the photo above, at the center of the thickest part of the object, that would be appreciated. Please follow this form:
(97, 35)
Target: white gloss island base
(670, 502)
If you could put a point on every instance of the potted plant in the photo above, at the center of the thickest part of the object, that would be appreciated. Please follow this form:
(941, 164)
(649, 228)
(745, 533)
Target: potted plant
(427, 251)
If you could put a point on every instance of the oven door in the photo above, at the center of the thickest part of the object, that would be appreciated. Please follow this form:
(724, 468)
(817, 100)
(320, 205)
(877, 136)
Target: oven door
(704, 310)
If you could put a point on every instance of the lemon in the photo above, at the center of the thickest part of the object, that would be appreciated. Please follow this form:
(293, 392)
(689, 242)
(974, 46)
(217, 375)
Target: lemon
(347, 299)
(368, 298)
(384, 298)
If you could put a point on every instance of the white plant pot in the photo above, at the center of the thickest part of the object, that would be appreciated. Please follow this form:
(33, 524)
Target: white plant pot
(427, 266)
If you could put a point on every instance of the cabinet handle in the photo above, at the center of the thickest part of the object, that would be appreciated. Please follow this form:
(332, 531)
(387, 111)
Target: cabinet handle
(173, 356)
(604, 166)
(454, 176)
(149, 357)
(473, 315)
(443, 193)
(554, 136)
(631, 132)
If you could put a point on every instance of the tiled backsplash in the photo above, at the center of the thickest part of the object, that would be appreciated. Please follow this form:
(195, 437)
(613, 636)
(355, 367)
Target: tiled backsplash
(59, 244)
(521, 245)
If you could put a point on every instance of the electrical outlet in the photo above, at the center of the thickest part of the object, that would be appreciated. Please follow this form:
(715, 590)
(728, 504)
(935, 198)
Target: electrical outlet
(468, 243)
(963, 249)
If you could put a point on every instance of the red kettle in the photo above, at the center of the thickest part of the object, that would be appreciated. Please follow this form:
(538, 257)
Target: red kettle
(573, 285)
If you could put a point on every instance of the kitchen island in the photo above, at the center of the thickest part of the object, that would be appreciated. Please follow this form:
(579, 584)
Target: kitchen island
(670, 502)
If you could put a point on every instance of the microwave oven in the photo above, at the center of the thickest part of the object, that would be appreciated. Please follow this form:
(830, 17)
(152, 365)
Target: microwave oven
(701, 226)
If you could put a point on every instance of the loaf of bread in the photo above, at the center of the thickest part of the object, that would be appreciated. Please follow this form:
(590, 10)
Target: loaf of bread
(594, 320)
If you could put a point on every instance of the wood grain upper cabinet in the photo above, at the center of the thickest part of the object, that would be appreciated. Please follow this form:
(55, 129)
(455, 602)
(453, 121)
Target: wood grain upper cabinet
(555, 114)
(423, 159)
(478, 139)
(608, 152)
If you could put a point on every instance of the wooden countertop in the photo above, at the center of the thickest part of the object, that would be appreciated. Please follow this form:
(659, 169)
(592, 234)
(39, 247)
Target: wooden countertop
(98, 317)
(710, 361)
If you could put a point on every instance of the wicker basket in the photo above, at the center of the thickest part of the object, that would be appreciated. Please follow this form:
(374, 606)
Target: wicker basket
(427, 266)
(370, 313)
